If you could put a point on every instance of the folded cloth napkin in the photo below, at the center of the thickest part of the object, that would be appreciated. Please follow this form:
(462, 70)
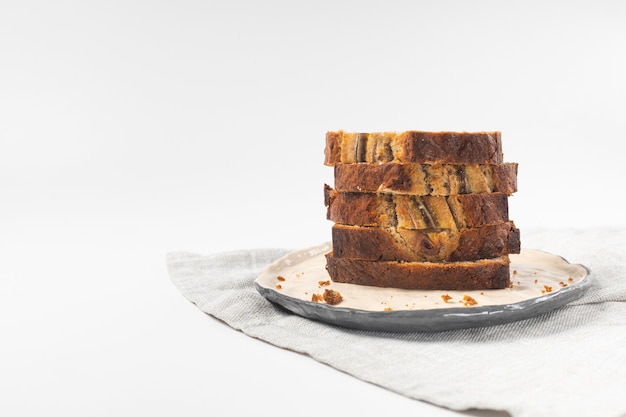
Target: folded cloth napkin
(569, 362)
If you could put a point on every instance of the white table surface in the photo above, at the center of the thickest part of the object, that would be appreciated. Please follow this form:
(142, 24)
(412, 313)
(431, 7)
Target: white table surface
(131, 129)
(92, 325)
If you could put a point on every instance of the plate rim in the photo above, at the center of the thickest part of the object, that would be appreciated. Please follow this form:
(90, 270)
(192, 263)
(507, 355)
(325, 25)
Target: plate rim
(423, 320)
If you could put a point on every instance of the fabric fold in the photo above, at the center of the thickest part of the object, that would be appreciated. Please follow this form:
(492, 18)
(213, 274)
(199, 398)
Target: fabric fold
(570, 361)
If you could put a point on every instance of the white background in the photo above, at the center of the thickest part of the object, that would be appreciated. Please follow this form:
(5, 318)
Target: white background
(129, 129)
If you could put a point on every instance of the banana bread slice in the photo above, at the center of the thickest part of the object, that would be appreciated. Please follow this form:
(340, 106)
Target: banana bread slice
(409, 211)
(426, 245)
(413, 146)
(480, 274)
(427, 179)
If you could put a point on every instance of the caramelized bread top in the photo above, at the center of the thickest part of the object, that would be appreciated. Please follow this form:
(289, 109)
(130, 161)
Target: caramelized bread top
(413, 146)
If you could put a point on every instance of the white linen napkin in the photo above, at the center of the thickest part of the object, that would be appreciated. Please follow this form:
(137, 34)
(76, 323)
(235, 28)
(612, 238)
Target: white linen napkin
(530, 368)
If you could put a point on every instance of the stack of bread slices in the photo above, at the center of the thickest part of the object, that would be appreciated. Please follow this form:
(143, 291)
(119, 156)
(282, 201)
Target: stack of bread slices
(420, 210)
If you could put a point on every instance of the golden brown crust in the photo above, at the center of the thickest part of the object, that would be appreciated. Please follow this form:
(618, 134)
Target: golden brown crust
(413, 147)
(415, 212)
(427, 179)
(482, 274)
(332, 152)
(407, 245)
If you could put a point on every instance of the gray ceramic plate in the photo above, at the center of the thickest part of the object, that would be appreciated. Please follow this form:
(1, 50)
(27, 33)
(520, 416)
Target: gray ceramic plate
(541, 281)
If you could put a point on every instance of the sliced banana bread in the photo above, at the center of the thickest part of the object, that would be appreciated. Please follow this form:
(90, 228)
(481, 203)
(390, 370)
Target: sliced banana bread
(413, 146)
(481, 274)
(414, 211)
(427, 179)
(438, 245)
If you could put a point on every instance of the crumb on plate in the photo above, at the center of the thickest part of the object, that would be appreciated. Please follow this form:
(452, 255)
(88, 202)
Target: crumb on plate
(332, 297)
(468, 301)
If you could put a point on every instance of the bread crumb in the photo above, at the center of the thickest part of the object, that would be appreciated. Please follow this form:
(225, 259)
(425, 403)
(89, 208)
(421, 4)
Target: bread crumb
(388, 309)
(446, 298)
(280, 278)
(546, 288)
(278, 286)
(570, 279)
(317, 298)
(332, 297)
(323, 283)
(515, 272)
(468, 301)
(536, 281)
(562, 284)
